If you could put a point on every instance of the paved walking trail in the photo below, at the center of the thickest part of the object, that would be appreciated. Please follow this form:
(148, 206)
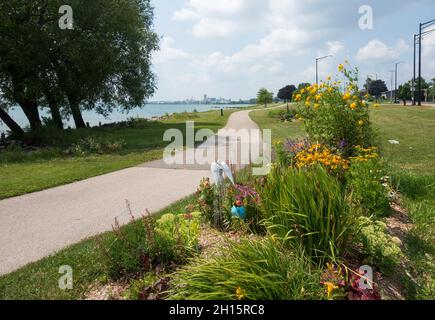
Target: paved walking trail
(36, 225)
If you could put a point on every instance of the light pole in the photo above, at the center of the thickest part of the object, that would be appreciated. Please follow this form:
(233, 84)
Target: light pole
(317, 66)
(395, 86)
(422, 27)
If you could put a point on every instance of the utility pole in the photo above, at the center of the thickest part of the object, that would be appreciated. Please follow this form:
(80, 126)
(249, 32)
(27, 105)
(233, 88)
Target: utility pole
(413, 78)
(422, 26)
(419, 65)
(395, 90)
(391, 87)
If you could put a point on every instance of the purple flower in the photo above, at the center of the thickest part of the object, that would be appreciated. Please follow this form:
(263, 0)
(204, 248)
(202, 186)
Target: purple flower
(342, 144)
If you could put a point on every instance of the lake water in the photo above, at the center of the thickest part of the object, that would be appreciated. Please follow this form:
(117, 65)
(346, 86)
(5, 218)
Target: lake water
(149, 111)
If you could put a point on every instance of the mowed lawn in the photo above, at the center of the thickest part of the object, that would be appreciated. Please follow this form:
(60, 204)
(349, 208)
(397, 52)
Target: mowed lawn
(141, 144)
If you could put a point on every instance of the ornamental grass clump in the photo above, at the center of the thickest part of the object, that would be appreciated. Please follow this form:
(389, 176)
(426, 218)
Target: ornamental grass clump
(336, 117)
(249, 270)
(308, 209)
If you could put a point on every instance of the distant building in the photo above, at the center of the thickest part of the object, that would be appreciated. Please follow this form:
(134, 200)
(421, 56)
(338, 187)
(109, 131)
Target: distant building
(389, 95)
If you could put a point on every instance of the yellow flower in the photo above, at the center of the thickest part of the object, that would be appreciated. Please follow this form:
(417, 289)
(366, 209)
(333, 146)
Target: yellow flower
(302, 90)
(376, 105)
(307, 103)
(360, 123)
(328, 78)
(353, 105)
(346, 96)
(240, 293)
(316, 106)
(318, 97)
(298, 97)
(330, 287)
(341, 67)
(330, 89)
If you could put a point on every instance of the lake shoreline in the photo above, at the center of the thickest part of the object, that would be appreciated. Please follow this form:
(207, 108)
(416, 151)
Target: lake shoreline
(149, 111)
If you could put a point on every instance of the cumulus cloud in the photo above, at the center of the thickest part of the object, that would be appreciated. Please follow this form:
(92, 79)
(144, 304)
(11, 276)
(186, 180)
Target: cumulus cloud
(214, 27)
(378, 50)
(168, 53)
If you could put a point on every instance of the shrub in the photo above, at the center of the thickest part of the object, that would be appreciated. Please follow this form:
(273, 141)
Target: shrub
(282, 115)
(146, 243)
(335, 118)
(379, 245)
(365, 179)
(205, 194)
(308, 209)
(251, 270)
(17, 154)
(90, 145)
(179, 230)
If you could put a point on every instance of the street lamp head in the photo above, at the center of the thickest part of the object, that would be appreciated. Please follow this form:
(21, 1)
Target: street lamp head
(324, 57)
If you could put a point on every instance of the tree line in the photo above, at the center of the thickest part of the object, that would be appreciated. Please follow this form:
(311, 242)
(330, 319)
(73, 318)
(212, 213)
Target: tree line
(284, 94)
(102, 63)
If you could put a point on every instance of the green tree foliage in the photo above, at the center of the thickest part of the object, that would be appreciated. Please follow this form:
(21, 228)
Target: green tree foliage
(286, 93)
(405, 92)
(102, 63)
(264, 97)
(375, 87)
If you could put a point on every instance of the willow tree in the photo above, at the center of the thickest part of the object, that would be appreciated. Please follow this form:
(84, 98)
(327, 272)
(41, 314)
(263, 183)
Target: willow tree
(103, 62)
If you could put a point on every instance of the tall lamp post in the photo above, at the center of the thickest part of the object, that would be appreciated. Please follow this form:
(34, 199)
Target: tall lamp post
(317, 66)
(422, 27)
(395, 86)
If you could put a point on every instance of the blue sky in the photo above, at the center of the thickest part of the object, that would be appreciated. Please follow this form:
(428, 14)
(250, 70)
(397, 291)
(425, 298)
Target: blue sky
(231, 48)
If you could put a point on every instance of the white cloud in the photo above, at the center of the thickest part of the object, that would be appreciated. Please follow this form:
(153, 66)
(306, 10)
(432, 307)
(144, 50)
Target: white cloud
(214, 28)
(213, 18)
(378, 50)
(168, 53)
(334, 47)
(185, 14)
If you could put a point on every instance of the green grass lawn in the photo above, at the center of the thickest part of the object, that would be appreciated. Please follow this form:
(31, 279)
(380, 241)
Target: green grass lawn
(280, 130)
(412, 164)
(143, 142)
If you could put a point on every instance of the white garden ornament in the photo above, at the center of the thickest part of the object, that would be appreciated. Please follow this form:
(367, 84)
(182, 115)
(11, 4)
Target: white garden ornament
(218, 169)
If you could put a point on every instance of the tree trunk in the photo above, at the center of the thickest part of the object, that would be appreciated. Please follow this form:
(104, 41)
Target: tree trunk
(12, 125)
(55, 114)
(404, 102)
(31, 111)
(77, 114)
